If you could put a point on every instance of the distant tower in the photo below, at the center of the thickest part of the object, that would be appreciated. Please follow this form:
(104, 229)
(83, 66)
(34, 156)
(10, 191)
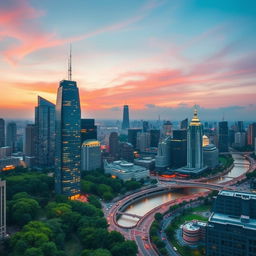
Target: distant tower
(126, 122)
(195, 143)
(114, 144)
(30, 144)
(45, 133)
(11, 135)
(223, 137)
(68, 138)
(88, 130)
(2, 133)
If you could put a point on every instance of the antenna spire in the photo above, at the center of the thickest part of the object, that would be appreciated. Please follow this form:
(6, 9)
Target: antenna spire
(70, 64)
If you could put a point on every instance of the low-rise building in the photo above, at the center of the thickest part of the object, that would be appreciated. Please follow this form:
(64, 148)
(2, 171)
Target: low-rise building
(194, 231)
(125, 170)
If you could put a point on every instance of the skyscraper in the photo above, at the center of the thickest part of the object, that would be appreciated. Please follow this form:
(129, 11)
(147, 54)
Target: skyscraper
(167, 128)
(45, 133)
(68, 138)
(126, 122)
(163, 157)
(145, 126)
(184, 124)
(143, 141)
(2, 133)
(132, 136)
(195, 143)
(114, 145)
(88, 130)
(11, 135)
(154, 138)
(251, 134)
(223, 136)
(30, 144)
(126, 151)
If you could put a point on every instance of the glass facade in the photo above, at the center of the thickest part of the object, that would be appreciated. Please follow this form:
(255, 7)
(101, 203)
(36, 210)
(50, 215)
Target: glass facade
(45, 133)
(68, 139)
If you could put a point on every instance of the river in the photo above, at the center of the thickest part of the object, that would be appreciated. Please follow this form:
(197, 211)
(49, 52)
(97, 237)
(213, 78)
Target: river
(241, 165)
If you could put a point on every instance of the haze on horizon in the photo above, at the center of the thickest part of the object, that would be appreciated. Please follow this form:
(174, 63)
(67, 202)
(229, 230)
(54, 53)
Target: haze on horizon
(159, 57)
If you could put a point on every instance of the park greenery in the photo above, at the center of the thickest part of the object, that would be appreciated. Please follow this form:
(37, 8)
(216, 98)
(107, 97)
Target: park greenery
(44, 224)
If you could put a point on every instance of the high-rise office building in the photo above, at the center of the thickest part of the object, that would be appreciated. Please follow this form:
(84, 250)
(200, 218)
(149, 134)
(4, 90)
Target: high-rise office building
(179, 149)
(143, 141)
(154, 138)
(29, 151)
(211, 156)
(2, 208)
(145, 126)
(126, 121)
(90, 155)
(231, 229)
(68, 139)
(239, 126)
(223, 136)
(184, 124)
(45, 133)
(2, 132)
(11, 135)
(167, 129)
(240, 139)
(126, 151)
(163, 157)
(114, 145)
(195, 144)
(251, 134)
(132, 136)
(88, 130)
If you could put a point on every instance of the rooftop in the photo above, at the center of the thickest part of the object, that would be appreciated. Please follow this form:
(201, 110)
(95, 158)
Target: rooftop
(124, 166)
(243, 195)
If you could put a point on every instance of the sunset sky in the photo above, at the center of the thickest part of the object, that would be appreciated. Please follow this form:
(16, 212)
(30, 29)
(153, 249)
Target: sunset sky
(158, 56)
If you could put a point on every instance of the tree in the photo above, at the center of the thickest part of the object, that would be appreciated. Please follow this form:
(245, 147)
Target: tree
(114, 237)
(49, 249)
(158, 217)
(57, 209)
(107, 196)
(97, 252)
(125, 248)
(33, 252)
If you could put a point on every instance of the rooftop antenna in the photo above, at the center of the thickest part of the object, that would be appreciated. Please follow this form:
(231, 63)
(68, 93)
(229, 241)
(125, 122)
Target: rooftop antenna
(70, 64)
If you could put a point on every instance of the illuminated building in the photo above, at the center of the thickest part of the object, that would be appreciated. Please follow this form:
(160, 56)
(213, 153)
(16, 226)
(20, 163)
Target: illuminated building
(114, 145)
(2, 208)
(206, 141)
(11, 135)
(90, 155)
(68, 139)
(125, 170)
(45, 133)
(126, 121)
(88, 130)
(194, 144)
(2, 132)
(231, 228)
(223, 137)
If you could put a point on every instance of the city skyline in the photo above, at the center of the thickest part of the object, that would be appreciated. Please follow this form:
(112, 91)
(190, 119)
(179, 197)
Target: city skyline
(157, 57)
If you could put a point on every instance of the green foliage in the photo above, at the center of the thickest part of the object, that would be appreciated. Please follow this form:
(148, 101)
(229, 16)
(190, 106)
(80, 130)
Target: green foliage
(125, 248)
(97, 252)
(158, 217)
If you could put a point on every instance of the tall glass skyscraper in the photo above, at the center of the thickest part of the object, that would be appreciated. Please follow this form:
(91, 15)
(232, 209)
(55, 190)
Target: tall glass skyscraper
(68, 139)
(126, 122)
(2, 132)
(11, 135)
(194, 143)
(45, 133)
(223, 136)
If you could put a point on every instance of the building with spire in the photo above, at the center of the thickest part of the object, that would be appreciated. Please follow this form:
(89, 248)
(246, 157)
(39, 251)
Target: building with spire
(195, 163)
(126, 121)
(68, 138)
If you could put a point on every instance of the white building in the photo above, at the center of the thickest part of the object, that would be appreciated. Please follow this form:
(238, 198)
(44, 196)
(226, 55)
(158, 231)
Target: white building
(163, 157)
(240, 139)
(125, 170)
(90, 155)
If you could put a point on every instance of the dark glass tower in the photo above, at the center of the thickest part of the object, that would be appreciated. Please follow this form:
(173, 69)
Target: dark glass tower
(68, 139)
(45, 133)
(11, 135)
(223, 136)
(126, 122)
(194, 143)
(2, 133)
